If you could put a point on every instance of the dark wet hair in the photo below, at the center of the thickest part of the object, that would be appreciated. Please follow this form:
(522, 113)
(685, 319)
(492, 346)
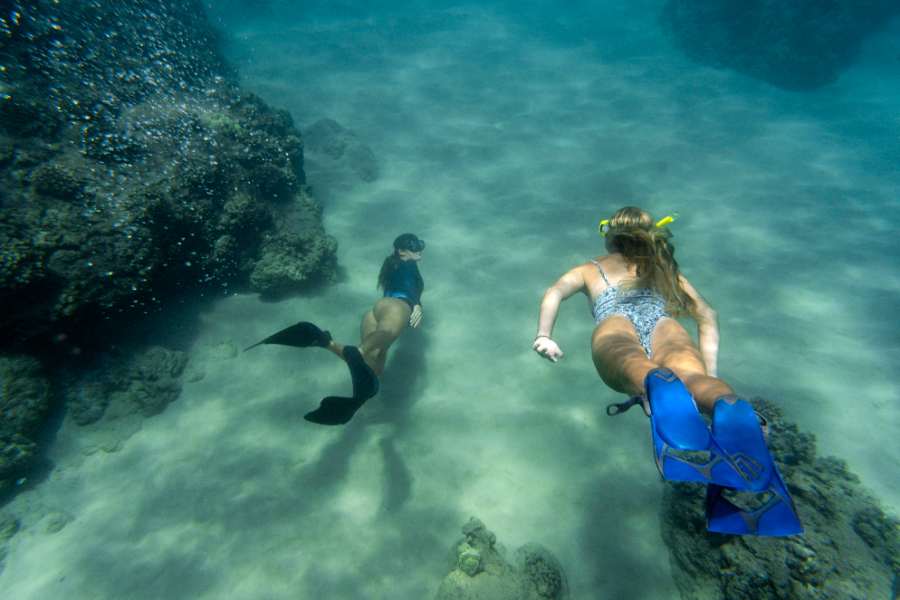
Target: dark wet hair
(633, 233)
(406, 241)
(410, 242)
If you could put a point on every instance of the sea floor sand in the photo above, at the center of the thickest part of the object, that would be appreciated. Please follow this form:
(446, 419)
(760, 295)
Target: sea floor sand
(502, 150)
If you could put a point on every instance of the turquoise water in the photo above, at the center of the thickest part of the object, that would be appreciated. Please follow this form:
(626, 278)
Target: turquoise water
(502, 136)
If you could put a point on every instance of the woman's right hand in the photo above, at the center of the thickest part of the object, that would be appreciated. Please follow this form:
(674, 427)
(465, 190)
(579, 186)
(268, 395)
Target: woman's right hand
(416, 316)
(546, 347)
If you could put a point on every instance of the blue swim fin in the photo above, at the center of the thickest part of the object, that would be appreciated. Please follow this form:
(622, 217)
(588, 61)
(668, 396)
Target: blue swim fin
(732, 455)
(736, 429)
(677, 428)
(776, 517)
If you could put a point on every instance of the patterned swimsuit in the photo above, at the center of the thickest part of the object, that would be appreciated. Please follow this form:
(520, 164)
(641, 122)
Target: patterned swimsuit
(643, 307)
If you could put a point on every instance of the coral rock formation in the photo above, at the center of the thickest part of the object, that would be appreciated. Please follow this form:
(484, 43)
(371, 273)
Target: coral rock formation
(797, 44)
(850, 548)
(480, 572)
(24, 404)
(134, 170)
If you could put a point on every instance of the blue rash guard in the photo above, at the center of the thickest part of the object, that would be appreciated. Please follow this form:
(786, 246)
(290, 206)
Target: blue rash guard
(405, 283)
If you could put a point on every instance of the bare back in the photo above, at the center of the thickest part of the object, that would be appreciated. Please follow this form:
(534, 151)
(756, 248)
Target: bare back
(614, 266)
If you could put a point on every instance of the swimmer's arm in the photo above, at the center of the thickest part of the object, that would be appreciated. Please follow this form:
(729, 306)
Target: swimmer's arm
(568, 284)
(707, 327)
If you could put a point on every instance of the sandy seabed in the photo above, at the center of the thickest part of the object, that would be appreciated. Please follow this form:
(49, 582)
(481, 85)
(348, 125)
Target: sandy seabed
(502, 149)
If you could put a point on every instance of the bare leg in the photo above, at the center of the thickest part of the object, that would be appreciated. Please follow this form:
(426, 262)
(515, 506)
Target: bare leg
(367, 326)
(336, 348)
(390, 317)
(619, 357)
(674, 349)
(379, 328)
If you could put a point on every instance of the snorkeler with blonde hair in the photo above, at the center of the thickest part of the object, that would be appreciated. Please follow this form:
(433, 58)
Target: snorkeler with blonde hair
(636, 290)
(381, 326)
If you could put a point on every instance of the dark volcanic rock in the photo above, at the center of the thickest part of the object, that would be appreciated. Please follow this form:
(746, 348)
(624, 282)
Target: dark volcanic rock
(849, 549)
(793, 44)
(480, 572)
(132, 170)
(336, 158)
(24, 403)
(145, 383)
(9, 526)
(289, 260)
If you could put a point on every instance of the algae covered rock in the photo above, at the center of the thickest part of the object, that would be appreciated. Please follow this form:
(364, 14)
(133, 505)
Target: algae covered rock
(542, 569)
(332, 145)
(848, 551)
(796, 44)
(292, 262)
(480, 571)
(57, 181)
(134, 171)
(336, 160)
(468, 559)
(25, 398)
(144, 384)
(9, 526)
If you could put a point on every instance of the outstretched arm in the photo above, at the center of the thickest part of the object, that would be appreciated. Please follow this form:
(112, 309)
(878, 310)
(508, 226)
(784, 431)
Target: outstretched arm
(568, 284)
(707, 327)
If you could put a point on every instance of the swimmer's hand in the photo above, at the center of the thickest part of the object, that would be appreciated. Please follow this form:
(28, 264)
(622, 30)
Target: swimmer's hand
(547, 348)
(416, 317)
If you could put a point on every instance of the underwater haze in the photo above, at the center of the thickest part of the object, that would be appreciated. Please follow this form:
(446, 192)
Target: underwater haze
(500, 133)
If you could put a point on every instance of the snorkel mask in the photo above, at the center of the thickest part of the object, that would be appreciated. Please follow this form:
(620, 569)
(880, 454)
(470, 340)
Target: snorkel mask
(603, 226)
(409, 242)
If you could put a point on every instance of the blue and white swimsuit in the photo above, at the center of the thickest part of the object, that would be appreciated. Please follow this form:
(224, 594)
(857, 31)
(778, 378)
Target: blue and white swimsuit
(643, 307)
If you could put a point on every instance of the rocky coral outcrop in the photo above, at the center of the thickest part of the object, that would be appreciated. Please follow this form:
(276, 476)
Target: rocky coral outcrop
(337, 159)
(480, 571)
(9, 526)
(25, 397)
(797, 45)
(329, 142)
(141, 384)
(850, 548)
(134, 170)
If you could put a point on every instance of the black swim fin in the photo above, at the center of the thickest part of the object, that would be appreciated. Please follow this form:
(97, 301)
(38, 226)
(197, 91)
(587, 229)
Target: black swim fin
(338, 410)
(365, 382)
(301, 335)
(335, 410)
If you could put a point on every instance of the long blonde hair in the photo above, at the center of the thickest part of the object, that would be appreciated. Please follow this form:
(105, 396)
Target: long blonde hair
(633, 234)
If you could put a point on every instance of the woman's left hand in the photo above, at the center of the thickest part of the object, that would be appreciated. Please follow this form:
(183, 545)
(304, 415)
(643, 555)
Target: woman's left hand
(416, 317)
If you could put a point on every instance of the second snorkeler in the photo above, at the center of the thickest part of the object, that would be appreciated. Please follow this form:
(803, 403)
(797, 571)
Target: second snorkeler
(381, 326)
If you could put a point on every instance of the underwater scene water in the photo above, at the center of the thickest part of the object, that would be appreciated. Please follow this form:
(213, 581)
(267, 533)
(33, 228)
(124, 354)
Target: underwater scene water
(183, 179)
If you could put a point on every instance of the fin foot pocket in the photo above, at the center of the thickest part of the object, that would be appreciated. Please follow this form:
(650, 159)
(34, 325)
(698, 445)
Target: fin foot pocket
(365, 382)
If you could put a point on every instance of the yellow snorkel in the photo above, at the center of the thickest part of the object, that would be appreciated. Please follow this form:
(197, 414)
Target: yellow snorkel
(666, 220)
(603, 226)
